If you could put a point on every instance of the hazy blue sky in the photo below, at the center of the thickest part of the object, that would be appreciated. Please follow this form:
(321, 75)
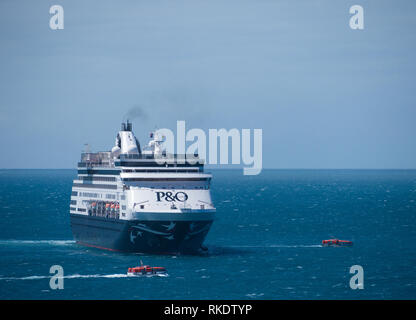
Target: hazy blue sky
(325, 96)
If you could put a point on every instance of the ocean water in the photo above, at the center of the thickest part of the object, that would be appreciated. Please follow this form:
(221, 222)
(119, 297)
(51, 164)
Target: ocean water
(265, 243)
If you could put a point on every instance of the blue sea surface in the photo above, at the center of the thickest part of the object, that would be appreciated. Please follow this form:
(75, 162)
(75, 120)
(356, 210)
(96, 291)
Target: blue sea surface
(264, 244)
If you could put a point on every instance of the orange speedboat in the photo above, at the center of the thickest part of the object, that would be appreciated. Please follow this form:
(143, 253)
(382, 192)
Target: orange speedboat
(336, 243)
(146, 270)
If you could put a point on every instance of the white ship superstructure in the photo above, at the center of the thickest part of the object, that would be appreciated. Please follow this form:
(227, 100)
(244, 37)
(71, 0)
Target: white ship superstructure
(129, 199)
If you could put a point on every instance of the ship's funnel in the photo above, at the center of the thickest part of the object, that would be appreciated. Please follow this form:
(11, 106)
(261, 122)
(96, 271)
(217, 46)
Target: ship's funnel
(126, 140)
(126, 126)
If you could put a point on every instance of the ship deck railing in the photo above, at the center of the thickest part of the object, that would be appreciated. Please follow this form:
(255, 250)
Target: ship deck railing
(100, 159)
(95, 164)
(145, 156)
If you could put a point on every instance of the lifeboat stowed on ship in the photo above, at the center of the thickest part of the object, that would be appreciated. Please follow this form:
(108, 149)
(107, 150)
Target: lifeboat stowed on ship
(146, 270)
(336, 243)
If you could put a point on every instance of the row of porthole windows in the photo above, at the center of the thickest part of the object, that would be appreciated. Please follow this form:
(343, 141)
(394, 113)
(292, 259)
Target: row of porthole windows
(88, 178)
(88, 194)
(95, 195)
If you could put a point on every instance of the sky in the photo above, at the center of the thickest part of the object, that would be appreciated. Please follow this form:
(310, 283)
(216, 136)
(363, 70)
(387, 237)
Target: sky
(325, 96)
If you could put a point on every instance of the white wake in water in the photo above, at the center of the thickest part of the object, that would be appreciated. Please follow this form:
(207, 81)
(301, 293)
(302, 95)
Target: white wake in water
(279, 246)
(80, 276)
(36, 242)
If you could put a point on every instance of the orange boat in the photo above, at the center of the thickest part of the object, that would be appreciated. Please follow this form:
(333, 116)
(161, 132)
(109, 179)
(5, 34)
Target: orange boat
(146, 270)
(336, 243)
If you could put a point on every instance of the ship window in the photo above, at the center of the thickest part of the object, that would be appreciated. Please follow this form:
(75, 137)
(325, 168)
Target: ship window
(123, 207)
(72, 208)
(74, 202)
(82, 209)
(74, 193)
(89, 195)
(93, 178)
(141, 206)
(123, 197)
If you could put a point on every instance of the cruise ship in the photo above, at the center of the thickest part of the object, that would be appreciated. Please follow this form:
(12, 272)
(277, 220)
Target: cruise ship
(135, 200)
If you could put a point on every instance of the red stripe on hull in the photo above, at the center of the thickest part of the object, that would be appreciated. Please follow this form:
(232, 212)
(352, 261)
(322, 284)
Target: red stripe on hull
(98, 247)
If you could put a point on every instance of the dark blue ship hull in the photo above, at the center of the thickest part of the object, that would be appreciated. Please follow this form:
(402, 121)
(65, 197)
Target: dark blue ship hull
(148, 236)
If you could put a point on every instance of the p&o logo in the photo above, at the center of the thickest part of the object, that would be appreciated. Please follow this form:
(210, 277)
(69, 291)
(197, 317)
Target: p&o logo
(169, 196)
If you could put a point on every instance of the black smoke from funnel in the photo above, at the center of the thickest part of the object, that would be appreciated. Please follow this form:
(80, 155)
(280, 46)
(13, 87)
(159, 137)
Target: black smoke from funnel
(136, 112)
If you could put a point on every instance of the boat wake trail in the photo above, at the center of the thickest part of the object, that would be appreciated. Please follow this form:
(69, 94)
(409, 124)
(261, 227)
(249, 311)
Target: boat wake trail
(279, 246)
(37, 242)
(84, 276)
